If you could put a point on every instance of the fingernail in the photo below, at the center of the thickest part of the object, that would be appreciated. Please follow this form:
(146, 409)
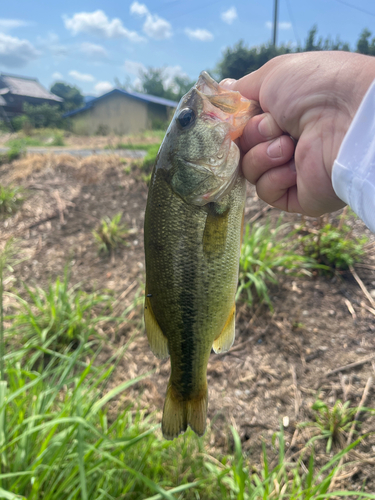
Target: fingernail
(227, 83)
(265, 127)
(292, 166)
(274, 149)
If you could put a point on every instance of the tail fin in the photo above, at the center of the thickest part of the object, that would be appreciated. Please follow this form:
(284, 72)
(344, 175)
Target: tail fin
(177, 415)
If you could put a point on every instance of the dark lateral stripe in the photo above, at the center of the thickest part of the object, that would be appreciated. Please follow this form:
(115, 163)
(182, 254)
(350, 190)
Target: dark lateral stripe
(187, 329)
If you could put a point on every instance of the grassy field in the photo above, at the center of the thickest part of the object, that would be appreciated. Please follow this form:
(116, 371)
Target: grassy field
(57, 439)
(75, 423)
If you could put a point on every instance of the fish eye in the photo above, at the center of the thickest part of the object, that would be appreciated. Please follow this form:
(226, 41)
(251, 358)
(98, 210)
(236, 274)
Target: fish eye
(186, 118)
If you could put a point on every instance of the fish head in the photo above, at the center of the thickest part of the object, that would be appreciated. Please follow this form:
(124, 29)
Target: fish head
(199, 151)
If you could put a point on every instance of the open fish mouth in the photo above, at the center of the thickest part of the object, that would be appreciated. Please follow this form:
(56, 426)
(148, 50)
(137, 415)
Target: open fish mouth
(225, 105)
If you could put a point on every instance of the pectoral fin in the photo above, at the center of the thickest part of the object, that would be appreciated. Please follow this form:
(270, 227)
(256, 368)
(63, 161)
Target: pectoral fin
(226, 338)
(156, 339)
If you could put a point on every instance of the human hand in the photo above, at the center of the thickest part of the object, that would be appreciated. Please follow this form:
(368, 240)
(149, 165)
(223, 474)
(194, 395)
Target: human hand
(313, 98)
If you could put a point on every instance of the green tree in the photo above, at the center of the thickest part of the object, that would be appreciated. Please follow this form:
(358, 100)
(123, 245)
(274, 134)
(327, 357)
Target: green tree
(312, 43)
(153, 83)
(364, 46)
(43, 115)
(241, 60)
(72, 96)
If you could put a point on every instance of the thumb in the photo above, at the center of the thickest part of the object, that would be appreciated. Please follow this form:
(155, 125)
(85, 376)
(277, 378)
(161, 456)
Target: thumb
(249, 85)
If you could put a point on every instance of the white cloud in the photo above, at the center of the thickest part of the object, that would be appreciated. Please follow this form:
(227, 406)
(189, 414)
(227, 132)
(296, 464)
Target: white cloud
(93, 50)
(157, 28)
(154, 26)
(134, 67)
(97, 23)
(229, 15)
(283, 25)
(9, 24)
(103, 87)
(57, 76)
(15, 53)
(81, 77)
(139, 9)
(199, 34)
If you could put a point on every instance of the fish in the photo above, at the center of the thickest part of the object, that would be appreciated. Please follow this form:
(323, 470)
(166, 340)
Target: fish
(192, 238)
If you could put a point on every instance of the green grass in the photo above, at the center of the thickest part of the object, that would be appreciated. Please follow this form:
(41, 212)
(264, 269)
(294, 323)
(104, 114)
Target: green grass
(63, 437)
(58, 139)
(11, 198)
(39, 138)
(334, 246)
(110, 234)
(331, 423)
(150, 158)
(24, 142)
(266, 252)
(59, 316)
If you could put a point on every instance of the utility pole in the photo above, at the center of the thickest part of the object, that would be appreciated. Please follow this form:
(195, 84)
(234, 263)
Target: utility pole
(274, 22)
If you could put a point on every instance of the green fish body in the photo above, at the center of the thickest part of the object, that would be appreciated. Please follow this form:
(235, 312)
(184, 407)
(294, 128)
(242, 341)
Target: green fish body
(193, 228)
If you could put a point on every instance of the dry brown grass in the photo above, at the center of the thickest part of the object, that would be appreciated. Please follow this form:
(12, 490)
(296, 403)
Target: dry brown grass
(87, 170)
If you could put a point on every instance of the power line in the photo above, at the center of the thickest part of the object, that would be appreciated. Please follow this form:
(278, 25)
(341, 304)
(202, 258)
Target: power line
(274, 22)
(356, 8)
(293, 22)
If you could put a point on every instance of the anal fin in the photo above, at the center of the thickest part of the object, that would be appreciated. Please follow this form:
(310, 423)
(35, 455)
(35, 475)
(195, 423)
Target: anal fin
(226, 338)
(158, 342)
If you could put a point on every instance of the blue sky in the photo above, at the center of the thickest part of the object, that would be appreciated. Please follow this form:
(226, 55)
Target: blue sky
(89, 43)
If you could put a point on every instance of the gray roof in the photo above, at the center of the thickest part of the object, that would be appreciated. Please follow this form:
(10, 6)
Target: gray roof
(128, 93)
(30, 87)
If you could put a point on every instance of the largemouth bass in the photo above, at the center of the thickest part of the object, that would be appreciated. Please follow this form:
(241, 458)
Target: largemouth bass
(193, 230)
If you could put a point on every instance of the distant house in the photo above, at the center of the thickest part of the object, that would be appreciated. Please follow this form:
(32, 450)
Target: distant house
(16, 90)
(120, 112)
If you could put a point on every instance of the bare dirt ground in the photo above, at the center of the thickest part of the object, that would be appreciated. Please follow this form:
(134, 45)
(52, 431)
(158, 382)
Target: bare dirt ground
(280, 361)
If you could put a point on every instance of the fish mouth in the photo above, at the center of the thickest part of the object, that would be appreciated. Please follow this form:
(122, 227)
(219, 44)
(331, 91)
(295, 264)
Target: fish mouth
(228, 106)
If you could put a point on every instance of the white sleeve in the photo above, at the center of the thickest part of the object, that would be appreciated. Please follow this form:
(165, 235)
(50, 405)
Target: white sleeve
(353, 173)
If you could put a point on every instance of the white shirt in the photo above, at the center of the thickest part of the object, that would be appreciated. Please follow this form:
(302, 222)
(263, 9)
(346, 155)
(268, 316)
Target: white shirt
(353, 173)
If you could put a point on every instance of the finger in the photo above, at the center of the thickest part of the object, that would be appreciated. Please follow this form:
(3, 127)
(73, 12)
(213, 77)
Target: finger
(278, 188)
(265, 156)
(259, 129)
(248, 86)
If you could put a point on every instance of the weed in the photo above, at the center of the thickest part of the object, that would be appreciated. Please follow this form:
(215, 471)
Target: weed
(333, 422)
(11, 198)
(286, 480)
(58, 140)
(59, 439)
(265, 252)
(146, 178)
(110, 234)
(24, 142)
(57, 317)
(150, 158)
(335, 247)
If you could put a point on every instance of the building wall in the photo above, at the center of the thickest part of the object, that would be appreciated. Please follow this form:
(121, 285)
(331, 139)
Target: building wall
(118, 114)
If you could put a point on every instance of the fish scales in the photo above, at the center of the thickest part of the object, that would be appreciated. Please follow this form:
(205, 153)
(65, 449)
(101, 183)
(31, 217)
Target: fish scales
(193, 229)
